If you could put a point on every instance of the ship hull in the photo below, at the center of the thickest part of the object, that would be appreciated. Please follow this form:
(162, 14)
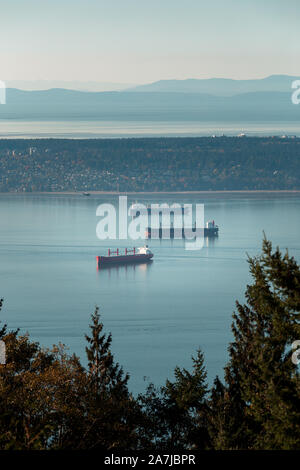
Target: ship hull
(127, 259)
(179, 233)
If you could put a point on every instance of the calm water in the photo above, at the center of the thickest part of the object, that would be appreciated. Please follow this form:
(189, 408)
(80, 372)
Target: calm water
(159, 313)
(91, 129)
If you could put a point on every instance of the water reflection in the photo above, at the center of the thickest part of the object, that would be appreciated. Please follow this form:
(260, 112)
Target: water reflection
(210, 241)
(140, 269)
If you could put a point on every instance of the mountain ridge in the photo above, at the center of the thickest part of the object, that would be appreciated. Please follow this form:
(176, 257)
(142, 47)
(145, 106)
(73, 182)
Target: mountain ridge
(175, 106)
(219, 86)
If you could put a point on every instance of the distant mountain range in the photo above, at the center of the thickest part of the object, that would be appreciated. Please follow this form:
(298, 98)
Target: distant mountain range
(213, 86)
(32, 85)
(219, 86)
(163, 104)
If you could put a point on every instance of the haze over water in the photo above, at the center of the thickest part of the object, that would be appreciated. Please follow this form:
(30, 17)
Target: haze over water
(158, 313)
(83, 129)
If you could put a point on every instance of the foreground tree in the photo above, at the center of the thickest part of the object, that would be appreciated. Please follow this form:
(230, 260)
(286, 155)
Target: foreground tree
(111, 413)
(259, 407)
(176, 413)
(49, 401)
(38, 388)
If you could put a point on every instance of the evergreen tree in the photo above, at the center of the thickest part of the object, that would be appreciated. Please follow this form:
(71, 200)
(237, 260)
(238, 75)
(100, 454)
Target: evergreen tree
(262, 384)
(178, 410)
(105, 374)
(111, 412)
(49, 401)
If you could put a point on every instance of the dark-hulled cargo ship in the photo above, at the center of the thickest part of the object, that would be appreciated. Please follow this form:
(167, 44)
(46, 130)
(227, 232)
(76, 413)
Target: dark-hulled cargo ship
(211, 230)
(134, 255)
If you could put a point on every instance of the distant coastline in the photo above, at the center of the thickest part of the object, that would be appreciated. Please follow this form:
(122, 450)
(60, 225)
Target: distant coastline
(202, 165)
(94, 129)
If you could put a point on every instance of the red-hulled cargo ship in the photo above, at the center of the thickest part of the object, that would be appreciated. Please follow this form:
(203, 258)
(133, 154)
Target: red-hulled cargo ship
(135, 255)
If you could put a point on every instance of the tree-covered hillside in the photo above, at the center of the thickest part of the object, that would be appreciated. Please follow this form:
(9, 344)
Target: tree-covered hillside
(150, 164)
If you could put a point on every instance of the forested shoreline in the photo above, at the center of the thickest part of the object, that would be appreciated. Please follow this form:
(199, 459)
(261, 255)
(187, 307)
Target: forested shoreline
(150, 164)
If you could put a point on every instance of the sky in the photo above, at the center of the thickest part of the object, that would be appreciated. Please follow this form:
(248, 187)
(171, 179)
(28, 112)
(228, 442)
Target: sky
(141, 41)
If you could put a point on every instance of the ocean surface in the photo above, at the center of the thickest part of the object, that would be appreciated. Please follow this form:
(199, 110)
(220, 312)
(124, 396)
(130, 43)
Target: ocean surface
(12, 128)
(159, 313)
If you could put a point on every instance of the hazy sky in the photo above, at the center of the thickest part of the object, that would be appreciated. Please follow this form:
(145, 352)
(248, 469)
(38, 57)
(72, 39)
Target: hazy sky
(138, 41)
